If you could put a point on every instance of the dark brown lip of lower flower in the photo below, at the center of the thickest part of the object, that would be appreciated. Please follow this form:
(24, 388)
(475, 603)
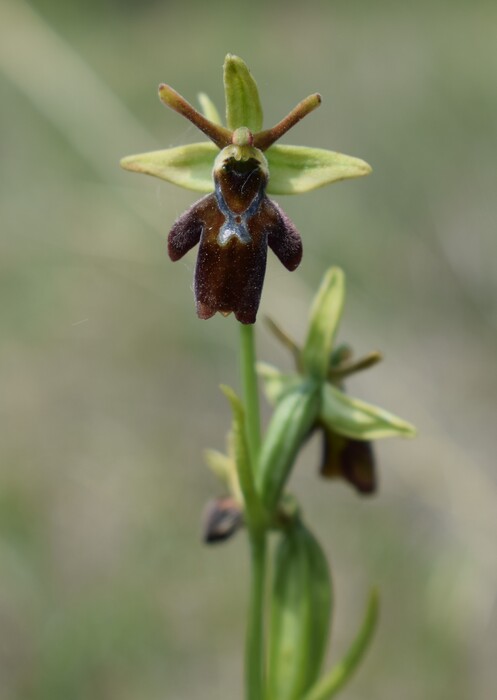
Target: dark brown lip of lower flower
(349, 459)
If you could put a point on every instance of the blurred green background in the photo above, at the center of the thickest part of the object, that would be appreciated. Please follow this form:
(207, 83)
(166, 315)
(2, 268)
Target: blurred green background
(109, 383)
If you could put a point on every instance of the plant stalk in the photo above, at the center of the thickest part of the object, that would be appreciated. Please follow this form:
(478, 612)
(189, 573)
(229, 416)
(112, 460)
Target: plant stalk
(254, 659)
(250, 390)
(254, 655)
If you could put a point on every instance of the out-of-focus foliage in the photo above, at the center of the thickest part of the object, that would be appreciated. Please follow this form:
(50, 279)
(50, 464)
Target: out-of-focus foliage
(109, 383)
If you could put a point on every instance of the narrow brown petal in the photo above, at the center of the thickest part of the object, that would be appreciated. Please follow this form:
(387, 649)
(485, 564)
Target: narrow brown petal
(265, 139)
(218, 134)
(186, 230)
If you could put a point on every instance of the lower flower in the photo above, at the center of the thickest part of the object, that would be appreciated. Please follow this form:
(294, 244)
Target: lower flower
(349, 459)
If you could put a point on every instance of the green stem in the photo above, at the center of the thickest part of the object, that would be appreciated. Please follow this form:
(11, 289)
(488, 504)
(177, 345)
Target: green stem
(250, 389)
(254, 659)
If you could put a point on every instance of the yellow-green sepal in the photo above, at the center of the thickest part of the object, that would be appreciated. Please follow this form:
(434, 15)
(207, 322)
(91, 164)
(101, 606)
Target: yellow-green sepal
(209, 109)
(297, 169)
(223, 466)
(187, 166)
(357, 419)
(326, 312)
(243, 105)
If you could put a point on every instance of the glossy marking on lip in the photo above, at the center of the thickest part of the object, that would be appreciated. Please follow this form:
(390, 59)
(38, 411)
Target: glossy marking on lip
(236, 224)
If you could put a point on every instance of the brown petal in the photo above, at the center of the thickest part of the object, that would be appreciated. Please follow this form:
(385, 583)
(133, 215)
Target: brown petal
(284, 239)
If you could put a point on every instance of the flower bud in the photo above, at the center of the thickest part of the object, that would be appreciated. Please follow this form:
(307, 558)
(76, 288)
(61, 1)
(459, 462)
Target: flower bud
(222, 518)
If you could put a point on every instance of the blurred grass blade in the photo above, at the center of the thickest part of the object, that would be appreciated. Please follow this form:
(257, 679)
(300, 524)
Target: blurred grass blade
(357, 419)
(297, 169)
(330, 684)
(326, 312)
(65, 89)
(243, 105)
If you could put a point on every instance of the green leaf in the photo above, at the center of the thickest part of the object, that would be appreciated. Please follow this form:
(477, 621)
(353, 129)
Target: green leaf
(187, 166)
(291, 619)
(243, 106)
(300, 614)
(276, 384)
(320, 593)
(297, 169)
(242, 456)
(328, 686)
(326, 311)
(293, 418)
(209, 109)
(357, 419)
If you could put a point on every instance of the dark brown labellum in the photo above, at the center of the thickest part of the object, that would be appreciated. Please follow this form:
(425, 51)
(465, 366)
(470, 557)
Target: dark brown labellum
(349, 459)
(234, 226)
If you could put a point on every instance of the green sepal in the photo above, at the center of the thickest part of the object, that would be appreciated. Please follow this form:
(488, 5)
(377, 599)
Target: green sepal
(243, 105)
(331, 683)
(221, 466)
(242, 457)
(326, 311)
(290, 424)
(300, 611)
(357, 419)
(209, 109)
(187, 166)
(297, 169)
(276, 384)
(224, 467)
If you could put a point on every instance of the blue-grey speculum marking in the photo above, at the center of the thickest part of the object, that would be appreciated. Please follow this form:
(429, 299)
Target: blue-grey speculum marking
(236, 224)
